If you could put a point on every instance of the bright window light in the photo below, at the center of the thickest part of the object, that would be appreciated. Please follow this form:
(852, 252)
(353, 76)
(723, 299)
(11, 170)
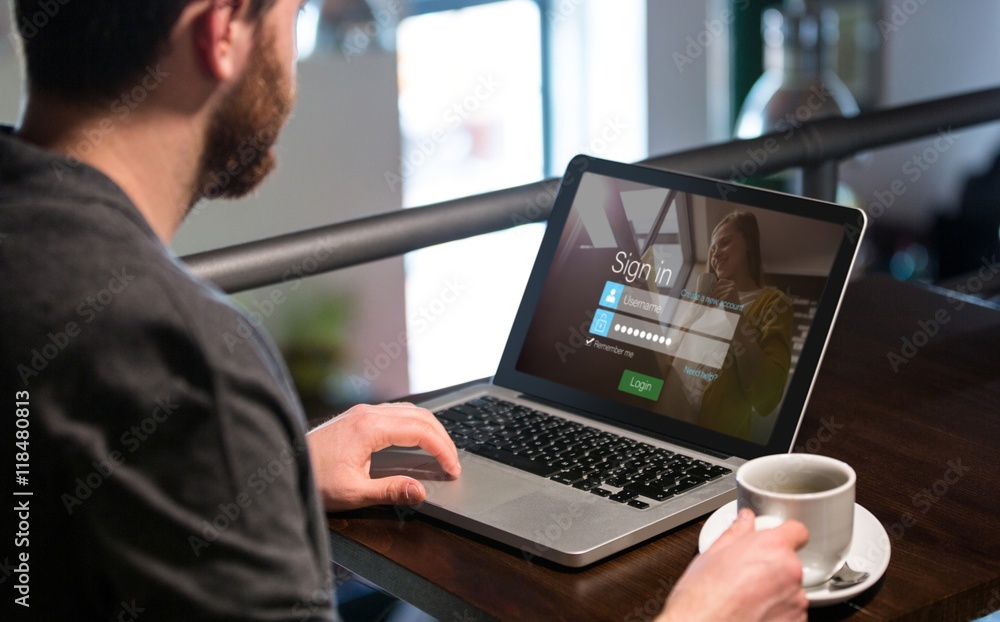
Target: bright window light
(471, 119)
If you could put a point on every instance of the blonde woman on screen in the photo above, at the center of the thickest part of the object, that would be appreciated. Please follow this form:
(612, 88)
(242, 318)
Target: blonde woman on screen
(755, 371)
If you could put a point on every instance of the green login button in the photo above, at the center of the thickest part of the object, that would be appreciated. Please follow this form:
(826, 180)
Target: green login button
(641, 385)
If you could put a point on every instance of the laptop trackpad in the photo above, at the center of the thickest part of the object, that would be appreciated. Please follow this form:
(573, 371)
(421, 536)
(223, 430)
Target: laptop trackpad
(480, 488)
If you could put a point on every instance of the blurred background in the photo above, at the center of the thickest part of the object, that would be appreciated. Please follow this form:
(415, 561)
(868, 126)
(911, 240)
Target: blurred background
(403, 103)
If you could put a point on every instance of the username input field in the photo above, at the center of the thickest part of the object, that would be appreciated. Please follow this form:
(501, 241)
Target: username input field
(706, 319)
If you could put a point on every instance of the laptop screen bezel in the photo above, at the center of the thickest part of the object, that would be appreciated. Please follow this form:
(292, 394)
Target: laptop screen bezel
(602, 408)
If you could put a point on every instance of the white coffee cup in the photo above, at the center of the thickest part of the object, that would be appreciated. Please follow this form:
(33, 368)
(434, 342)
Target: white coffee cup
(817, 491)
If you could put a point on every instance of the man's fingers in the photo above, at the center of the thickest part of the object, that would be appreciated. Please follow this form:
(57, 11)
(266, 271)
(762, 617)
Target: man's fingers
(741, 526)
(794, 533)
(410, 431)
(409, 409)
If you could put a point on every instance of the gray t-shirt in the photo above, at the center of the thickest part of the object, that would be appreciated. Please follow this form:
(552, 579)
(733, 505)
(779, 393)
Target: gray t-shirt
(165, 446)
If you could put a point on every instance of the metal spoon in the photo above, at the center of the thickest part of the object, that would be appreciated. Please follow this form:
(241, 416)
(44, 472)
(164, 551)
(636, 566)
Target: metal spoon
(846, 577)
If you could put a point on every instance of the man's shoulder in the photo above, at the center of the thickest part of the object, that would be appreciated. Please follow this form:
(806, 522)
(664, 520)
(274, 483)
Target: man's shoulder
(87, 275)
(82, 258)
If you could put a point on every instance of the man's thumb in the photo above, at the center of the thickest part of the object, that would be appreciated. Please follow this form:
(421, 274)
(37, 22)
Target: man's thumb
(743, 525)
(398, 490)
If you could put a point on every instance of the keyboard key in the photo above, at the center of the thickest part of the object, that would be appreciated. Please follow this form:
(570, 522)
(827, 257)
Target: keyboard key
(683, 486)
(576, 474)
(641, 505)
(624, 496)
(564, 478)
(600, 492)
(518, 462)
(463, 442)
(452, 415)
(652, 491)
(560, 462)
(587, 484)
(465, 409)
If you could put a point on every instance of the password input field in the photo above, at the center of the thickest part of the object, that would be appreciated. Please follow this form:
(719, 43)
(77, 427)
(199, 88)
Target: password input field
(691, 347)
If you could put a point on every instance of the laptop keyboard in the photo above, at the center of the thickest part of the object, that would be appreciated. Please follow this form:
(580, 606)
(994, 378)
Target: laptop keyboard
(622, 469)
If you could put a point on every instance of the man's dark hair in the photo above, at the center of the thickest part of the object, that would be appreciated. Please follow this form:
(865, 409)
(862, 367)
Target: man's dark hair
(94, 49)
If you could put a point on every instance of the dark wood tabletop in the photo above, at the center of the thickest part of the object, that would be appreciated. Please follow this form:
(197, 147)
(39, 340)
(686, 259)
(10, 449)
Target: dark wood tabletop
(920, 423)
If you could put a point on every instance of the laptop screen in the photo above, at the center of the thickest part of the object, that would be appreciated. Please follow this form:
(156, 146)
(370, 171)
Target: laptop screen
(683, 305)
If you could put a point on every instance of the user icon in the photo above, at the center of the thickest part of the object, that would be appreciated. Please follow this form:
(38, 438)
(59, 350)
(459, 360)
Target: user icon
(611, 294)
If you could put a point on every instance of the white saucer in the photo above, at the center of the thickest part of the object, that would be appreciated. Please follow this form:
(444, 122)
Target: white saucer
(870, 551)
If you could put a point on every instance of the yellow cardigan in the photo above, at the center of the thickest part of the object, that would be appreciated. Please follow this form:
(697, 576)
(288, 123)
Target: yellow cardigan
(726, 407)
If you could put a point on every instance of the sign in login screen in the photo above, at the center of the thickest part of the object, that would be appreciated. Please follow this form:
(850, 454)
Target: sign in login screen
(686, 306)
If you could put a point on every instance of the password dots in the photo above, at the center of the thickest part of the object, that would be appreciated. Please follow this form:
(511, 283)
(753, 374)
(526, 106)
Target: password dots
(642, 334)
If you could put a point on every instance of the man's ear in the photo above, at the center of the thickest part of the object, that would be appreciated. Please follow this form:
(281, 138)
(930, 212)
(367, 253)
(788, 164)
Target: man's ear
(224, 37)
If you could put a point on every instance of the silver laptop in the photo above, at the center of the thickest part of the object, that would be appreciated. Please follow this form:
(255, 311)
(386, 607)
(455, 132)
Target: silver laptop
(671, 329)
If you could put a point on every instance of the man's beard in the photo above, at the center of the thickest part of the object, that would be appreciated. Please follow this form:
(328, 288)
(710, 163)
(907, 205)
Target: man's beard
(239, 147)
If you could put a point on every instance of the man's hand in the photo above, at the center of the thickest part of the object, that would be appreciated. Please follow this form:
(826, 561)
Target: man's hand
(340, 451)
(746, 575)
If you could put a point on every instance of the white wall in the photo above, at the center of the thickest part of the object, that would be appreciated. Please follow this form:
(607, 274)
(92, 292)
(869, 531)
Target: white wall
(678, 114)
(10, 72)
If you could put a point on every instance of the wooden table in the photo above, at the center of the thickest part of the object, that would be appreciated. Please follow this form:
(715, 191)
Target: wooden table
(924, 439)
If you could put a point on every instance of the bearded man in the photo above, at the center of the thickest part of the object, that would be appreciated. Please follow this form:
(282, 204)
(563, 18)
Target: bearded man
(171, 474)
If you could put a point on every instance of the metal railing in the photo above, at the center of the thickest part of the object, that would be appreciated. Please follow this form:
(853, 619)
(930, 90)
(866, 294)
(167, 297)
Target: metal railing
(816, 147)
